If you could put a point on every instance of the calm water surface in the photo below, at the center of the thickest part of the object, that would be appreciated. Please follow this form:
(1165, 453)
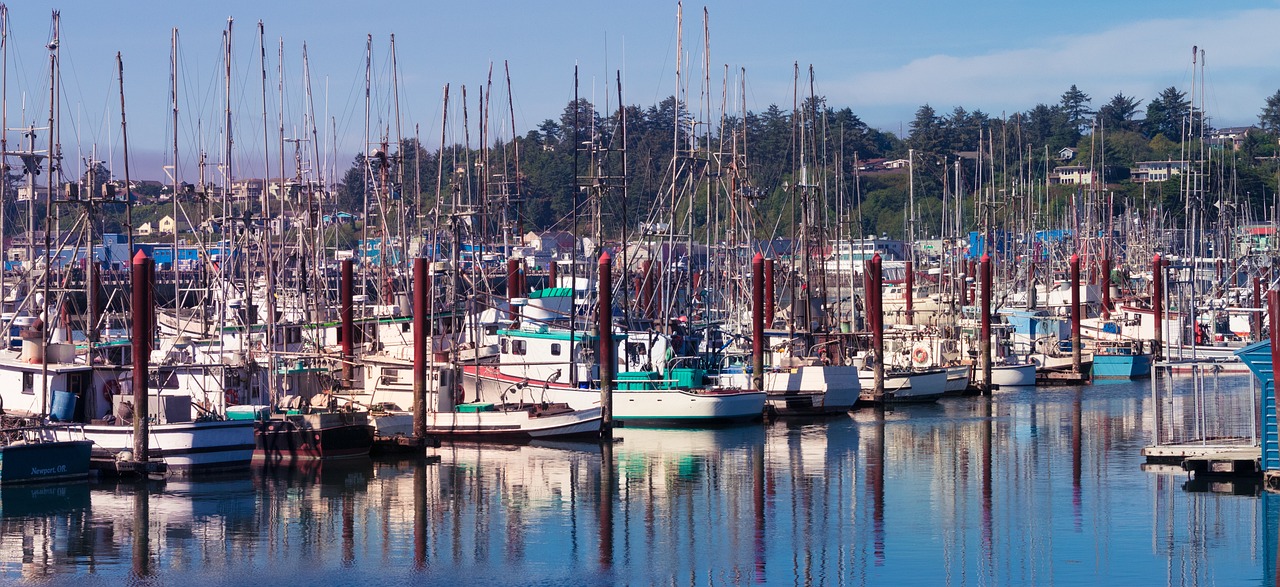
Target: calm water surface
(1032, 487)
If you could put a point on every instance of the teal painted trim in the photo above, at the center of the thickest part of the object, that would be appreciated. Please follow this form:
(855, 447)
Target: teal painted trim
(555, 335)
(551, 292)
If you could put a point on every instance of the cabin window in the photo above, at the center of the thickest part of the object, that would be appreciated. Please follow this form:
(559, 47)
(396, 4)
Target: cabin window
(635, 348)
(405, 327)
(518, 347)
(490, 330)
(504, 346)
(555, 349)
(293, 335)
(28, 383)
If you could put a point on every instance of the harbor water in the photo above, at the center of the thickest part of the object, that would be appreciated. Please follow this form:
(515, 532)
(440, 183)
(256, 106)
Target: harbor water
(1028, 487)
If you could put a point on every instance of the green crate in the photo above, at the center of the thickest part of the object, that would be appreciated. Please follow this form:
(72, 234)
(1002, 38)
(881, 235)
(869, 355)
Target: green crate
(636, 380)
(474, 408)
(687, 378)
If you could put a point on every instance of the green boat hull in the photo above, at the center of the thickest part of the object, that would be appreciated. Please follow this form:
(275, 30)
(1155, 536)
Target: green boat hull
(44, 462)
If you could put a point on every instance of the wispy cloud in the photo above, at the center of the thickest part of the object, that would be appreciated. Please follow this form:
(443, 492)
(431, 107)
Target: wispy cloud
(1138, 59)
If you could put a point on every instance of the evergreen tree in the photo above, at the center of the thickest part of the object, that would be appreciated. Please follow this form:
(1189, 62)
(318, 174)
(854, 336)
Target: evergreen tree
(1167, 114)
(1117, 114)
(1075, 104)
(927, 132)
(1269, 119)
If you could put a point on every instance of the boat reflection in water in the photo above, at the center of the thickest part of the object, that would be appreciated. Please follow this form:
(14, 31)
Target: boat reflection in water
(1024, 487)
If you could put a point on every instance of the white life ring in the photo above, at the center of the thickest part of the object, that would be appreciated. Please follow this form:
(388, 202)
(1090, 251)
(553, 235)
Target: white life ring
(920, 355)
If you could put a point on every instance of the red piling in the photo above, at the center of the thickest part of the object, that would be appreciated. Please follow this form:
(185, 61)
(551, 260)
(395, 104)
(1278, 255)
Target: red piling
(875, 316)
(1075, 314)
(605, 329)
(1106, 285)
(421, 312)
(1157, 303)
(985, 320)
(141, 315)
(346, 311)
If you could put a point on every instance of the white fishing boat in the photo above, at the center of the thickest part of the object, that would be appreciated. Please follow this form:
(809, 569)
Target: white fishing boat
(389, 396)
(540, 361)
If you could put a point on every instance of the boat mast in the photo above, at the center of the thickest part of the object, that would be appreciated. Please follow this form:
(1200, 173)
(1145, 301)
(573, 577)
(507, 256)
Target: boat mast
(49, 225)
(173, 82)
(364, 218)
(266, 242)
(4, 140)
(226, 269)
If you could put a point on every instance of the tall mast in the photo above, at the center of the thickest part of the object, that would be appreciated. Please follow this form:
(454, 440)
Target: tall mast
(400, 208)
(227, 176)
(364, 219)
(48, 220)
(573, 255)
(314, 216)
(667, 290)
(4, 136)
(266, 242)
(173, 83)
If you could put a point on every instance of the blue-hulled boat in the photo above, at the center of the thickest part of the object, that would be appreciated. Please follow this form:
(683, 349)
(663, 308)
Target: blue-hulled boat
(32, 454)
(1121, 360)
(1257, 357)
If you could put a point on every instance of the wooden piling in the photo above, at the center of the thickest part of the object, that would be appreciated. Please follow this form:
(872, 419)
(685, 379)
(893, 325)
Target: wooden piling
(421, 314)
(875, 315)
(985, 321)
(346, 312)
(1157, 305)
(141, 316)
(1075, 314)
(605, 329)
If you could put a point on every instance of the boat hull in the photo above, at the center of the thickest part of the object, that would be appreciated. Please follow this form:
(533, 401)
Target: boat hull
(1121, 366)
(185, 447)
(494, 425)
(44, 462)
(899, 388)
(312, 437)
(804, 390)
(1023, 375)
(648, 406)
(958, 378)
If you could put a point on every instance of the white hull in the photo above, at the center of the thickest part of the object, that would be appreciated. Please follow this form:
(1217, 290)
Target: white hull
(706, 407)
(1023, 375)
(923, 386)
(958, 378)
(808, 389)
(512, 425)
(185, 447)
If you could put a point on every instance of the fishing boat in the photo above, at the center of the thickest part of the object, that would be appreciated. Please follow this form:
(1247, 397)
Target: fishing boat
(904, 386)
(389, 397)
(795, 385)
(1121, 360)
(544, 361)
(309, 422)
(32, 452)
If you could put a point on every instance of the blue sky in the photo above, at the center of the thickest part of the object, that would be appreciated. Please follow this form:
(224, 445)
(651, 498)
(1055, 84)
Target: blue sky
(882, 59)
